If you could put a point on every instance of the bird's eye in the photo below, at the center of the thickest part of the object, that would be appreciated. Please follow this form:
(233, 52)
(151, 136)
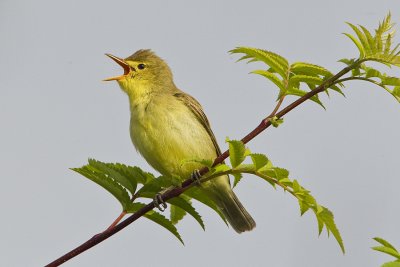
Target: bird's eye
(141, 66)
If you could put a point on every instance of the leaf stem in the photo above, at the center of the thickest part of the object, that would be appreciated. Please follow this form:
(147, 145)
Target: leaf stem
(264, 124)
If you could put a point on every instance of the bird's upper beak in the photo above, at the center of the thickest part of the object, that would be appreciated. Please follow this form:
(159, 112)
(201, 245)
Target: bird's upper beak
(123, 64)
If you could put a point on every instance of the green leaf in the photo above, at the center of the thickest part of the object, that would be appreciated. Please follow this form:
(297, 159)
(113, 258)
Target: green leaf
(361, 37)
(370, 40)
(391, 264)
(200, 196)
(296, 186)
(347, 61)
(396, 93)
(259, 160)
(298, 92)
(238, 176)
(247, 168)
(384, 243)
(277, 173)
(286, 181)
(206, 162)
(387, 250)
(108, 184)
(278, 63)
(371, 72)
(305, 79)
(154, 186)
(390, 81)
(184, 204)
(176, 214)
(275, 122)
(304, 207)
(159, 219)
(272, 77)
(237, 152)
(308, 69)
(134, 173)
(326, 217)
(119, 177)
(357, 43)
(220, 168)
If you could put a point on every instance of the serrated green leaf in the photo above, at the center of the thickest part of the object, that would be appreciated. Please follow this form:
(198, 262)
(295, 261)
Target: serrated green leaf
(296, 186)
(135, 173)
(183, 203)
(108, 184)
(278, 63)
(304, 207)
(371, 72)
(299, 78)
(396, 92)
(245, 168)
(387, 250)
(272, 77)
(394, 81)
(277, 173)
(355, 72)
(298, 92)
(361, 37)
(237, 177)
(320, 225)
(308, 69)
(127, 182)
(154, 186)
(384, 243)
(337, 89)
(259, 160)
(159, 219)
(326, 217)
(195, 193)
(237, 152)
(286, 181)
(347, 61)
(206, 162)
(357, 43)
(370, 40)
(176, 214)
(388, 44)
(391, 264)
(220, 168)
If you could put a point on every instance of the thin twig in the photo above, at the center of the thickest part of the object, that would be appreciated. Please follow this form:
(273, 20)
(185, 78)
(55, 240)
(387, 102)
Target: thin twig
(265, 123)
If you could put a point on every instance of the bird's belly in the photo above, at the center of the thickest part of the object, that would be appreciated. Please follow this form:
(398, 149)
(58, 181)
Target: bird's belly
(166, 137)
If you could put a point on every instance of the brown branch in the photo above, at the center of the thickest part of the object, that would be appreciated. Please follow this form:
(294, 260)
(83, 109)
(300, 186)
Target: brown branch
(264, 124)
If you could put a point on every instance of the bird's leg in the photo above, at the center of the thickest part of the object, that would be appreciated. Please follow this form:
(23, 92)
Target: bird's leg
(159, 203)
(196, 177)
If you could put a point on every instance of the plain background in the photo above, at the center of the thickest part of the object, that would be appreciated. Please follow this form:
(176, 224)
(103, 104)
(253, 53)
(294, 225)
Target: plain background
(55, 112)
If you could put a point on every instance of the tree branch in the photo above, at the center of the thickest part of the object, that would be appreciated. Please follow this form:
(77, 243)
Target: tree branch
(264, 124)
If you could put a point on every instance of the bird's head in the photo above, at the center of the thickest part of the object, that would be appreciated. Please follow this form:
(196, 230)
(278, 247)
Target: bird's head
(143, 70)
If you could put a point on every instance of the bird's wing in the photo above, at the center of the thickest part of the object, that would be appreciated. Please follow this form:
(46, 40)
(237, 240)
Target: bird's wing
(197, 110)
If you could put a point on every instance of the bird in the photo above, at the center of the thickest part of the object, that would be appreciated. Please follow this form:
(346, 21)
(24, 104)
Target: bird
(168, 126)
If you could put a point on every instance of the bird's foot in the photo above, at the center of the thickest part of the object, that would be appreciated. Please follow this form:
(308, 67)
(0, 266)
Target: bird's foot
(159, 202)
(196, 177)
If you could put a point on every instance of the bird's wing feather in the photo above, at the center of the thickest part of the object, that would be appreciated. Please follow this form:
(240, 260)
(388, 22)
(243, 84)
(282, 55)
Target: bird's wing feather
(197, 110)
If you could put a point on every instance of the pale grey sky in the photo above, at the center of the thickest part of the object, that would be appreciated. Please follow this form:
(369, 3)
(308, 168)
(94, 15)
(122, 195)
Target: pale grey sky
(55, 112)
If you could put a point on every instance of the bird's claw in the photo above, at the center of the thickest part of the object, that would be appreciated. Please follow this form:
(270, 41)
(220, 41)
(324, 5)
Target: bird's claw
(196, 177)
(159, 203)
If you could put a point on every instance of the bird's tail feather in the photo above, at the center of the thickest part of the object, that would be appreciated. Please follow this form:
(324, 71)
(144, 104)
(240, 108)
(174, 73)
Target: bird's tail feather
(233, 210)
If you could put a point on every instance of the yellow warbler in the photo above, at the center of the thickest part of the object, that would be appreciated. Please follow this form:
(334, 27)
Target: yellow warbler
(168, 126)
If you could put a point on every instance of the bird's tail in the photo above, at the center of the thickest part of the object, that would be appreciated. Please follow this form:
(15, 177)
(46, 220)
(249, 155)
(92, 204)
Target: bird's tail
(233, 210)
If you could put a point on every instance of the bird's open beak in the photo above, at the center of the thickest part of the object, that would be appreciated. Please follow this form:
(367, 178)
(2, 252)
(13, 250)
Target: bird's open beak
(120, 62)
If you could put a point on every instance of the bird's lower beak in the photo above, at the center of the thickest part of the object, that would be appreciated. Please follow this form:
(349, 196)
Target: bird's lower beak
(120, 62)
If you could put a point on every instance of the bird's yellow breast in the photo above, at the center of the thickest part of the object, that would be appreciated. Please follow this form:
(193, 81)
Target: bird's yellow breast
(166, 132)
